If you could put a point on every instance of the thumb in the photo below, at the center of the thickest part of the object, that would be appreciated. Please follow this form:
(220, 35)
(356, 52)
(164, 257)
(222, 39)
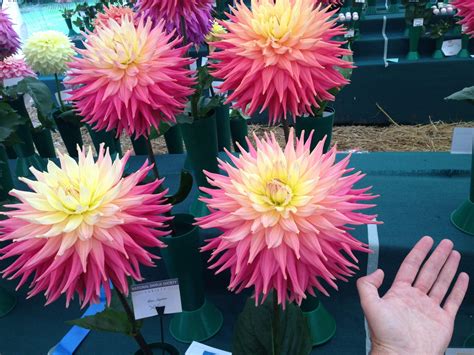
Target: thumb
(368, 287)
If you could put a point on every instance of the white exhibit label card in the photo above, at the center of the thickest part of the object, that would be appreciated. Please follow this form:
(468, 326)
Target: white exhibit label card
(462, 140)
(451, 47)
(418, 22)
(201, 349)
(360, 1)
(349, 33)
(147, 296)
(65, 95)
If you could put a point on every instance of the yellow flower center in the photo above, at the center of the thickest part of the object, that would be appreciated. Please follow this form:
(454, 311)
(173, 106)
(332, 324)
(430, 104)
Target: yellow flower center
(272, 22)
(278, 193)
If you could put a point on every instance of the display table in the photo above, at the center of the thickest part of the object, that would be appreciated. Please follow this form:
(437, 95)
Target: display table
(418, 193)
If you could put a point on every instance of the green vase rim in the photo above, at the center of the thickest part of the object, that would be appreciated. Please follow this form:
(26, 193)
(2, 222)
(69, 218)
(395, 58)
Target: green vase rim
(184, 235)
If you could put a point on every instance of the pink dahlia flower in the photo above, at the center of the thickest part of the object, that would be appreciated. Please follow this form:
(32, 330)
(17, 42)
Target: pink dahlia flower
(196, 15)
(283, 216)
(115, 13)
(11, 68)
(132, 77)
(280, 55)
(83, 226)
(466, 12)
(9, 40)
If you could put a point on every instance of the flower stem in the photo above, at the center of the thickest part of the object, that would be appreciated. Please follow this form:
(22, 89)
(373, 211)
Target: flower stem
(137, 335)
(58, 89)
(286, 129)
(275, 324)
(151, 158)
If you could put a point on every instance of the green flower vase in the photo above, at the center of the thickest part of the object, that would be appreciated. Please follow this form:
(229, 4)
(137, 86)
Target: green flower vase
(27, 156)
(223, 128)
(239, 130)
(174, 140)
(200, 319)
(139, 145)
(70, 131)
(463, 216)
(108, 138)
(200, 139)
(322, 127)
(6, 180)
(44, 143)
(322, 325)
(7, 299)
(414, 35)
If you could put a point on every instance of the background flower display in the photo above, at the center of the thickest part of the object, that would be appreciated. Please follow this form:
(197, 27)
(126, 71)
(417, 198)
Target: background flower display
(13, 67)
(190, 19)
(9, 40)
(466, 12)
(286, 66)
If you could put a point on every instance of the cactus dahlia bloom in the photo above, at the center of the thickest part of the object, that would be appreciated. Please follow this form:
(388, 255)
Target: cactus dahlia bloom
(113, 12)
(466, 12)
(280, 56)
(13, 67)
(196, 15)
(9, 40)
(48, 52)
(131, 77)
(283, 216)
(83, 226)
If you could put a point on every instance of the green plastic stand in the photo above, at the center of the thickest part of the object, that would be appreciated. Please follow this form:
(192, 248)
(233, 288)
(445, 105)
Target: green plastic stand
(322, 325)
(239, 130)
(463, 217)
(11, 152)
(44, 143)
(464, 53)
(414, 34)
(223, 128)
(371, 7)
(6, 181)
(200, 319)
(7, 302)
(108, 138)
(322, 127)
(70, 133)
(200, 139)
(174, 140)
(393, 6)
(139, 145)
(438, 53)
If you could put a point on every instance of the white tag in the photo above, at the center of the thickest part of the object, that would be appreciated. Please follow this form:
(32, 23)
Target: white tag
(65, 95)
(451, 47)
(200, 349)
(11, 82)
(462, 140)
(418, 22)
(34, 119)
(349, 33)
(459, 351)
(147, 296)
(204, 61)
(360, 1)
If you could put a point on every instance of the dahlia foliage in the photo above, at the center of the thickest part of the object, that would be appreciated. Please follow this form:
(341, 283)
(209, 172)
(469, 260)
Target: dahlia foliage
(132, 77)
(280, 56)
(48, 52)
(283, 214)
(466, 12)
(9, 40)
(82, 226)
(113, 12)
(13, 67)
(194, 14)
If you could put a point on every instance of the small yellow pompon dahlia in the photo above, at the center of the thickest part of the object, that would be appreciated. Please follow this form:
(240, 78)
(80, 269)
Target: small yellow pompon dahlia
(48, 52)
(216, 31)
(82, 226)
(130, 77)
(284, 216)
(280, 56)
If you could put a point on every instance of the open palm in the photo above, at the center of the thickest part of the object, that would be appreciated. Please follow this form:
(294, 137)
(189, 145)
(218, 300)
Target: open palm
(411, 317)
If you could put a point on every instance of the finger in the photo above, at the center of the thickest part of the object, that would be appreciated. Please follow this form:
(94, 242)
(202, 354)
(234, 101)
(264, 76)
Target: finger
(368, 287)
(411, 265)
(446, 276)
(457, 295)
(430, 270)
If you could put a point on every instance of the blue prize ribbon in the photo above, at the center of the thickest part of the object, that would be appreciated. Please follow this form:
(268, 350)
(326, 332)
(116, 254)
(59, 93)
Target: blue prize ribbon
(71, 341)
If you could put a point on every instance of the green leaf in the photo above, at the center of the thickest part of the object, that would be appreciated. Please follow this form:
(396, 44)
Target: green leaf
(9, 121)
(162, 128)
(207, 105)
(40, 94)
(346, 72)
(185, 186)
(466, 94)
(71, 117)
(253, 331)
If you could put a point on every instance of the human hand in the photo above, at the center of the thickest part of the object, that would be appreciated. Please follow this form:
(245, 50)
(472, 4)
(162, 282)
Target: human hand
(409, 318)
